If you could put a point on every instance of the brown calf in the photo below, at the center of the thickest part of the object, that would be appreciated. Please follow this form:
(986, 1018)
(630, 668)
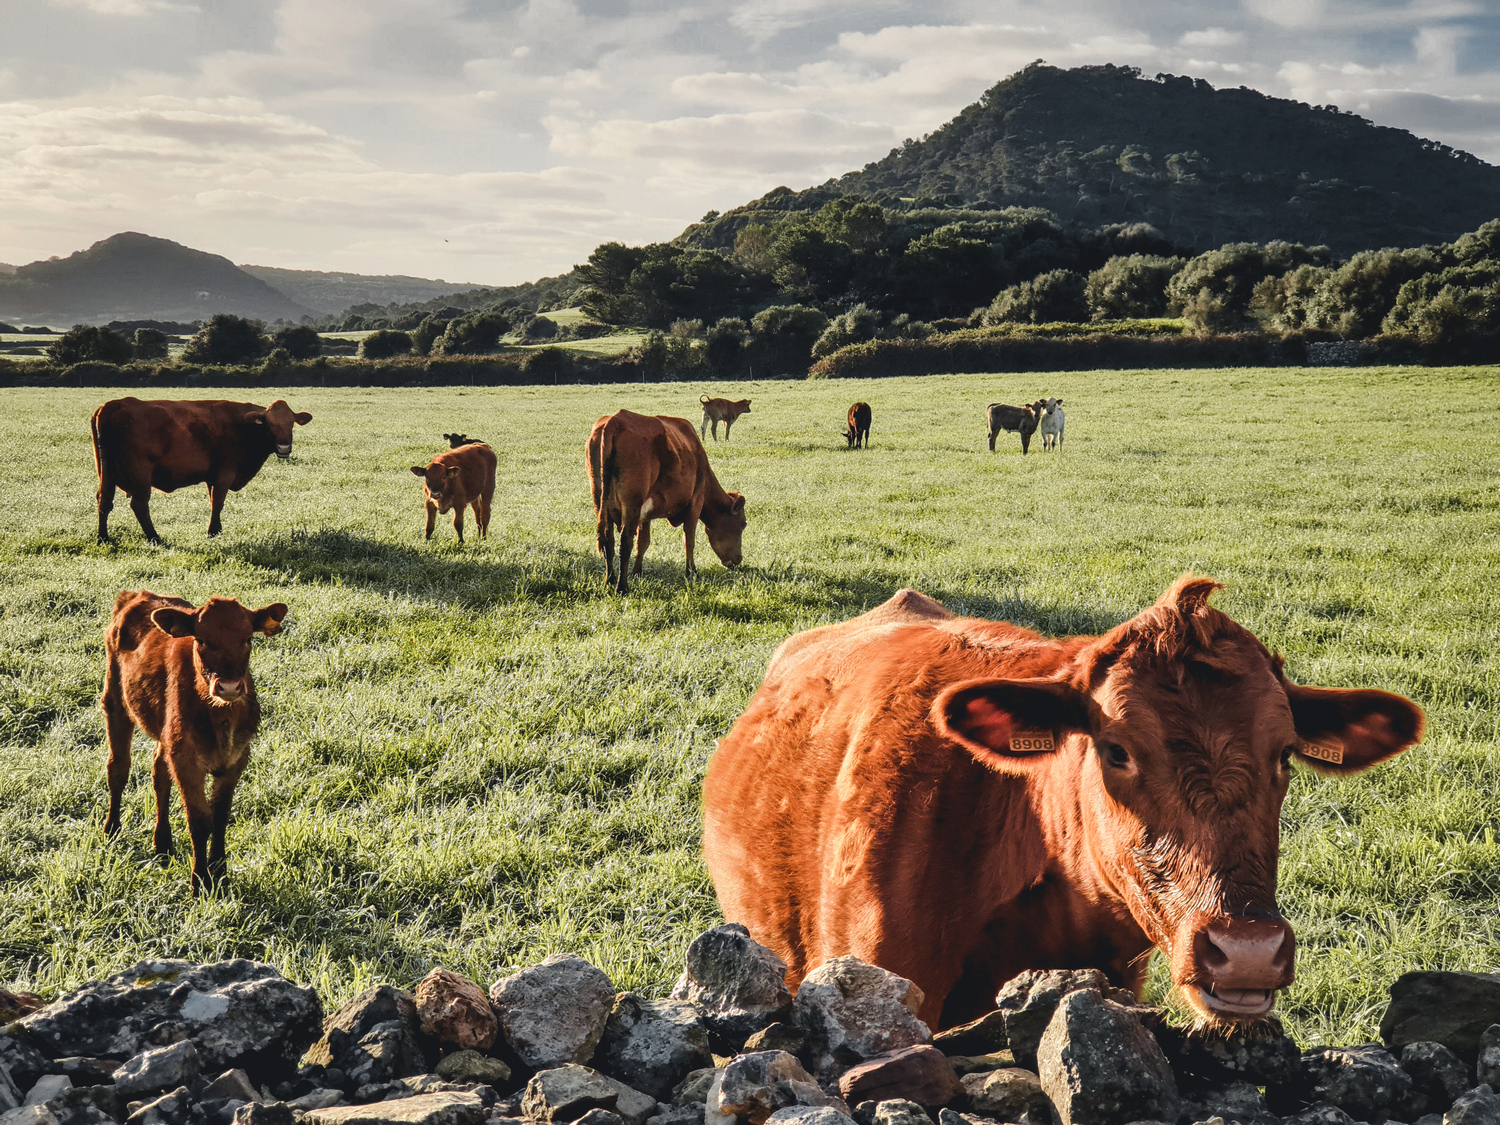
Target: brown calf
(644, 468)
(460, 477)
(456, 440)
(716, 410)
(183, 676)
(859, 425)
(169, 445)
(1016, 419)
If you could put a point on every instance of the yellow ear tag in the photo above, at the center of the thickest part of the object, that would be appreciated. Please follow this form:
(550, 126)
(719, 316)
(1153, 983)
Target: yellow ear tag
(1031, 742)
(1331, 754)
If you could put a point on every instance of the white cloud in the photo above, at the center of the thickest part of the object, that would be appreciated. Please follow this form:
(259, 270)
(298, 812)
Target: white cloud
(128, 7)
(1211, 37)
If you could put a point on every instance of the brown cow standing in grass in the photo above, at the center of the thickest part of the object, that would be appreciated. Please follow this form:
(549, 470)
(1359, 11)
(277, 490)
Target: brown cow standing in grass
(168, 445)
(182, 674)
(1016, 419)
(716, 410)
(859, 425)
(644, 468)
(960, 800)
(458, 478)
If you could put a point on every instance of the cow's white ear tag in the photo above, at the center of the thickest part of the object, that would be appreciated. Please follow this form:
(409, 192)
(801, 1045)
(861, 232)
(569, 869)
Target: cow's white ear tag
(1031, 742)
(1334, 754)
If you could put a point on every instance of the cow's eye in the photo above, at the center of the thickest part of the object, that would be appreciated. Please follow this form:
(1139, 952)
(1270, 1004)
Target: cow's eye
(1117, 755)
(1286, 757)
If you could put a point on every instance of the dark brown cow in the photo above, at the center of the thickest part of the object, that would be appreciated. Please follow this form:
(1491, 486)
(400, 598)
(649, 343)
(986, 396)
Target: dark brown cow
(644, 468)
(456, 440)
(716, 410)
(169, 445)
(183, 676)
(1015, 419)
(859, 425)
(458, 478)
(960, 800)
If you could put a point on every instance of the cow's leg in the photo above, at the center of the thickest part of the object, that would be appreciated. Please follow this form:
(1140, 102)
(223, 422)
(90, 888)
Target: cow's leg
(119, 730)
(727, 423)
(482, 516)
(992, 440)
(703, 427)
(714, 426)
(218, 491)
(220, 799)
(431, 519)
(105, 498)
(458, 521)
(1025, 442)
(190, 779)
(140, 504)
(689, 535)
(642, 541)
(161, 781)
(605, 537)
(630, 524)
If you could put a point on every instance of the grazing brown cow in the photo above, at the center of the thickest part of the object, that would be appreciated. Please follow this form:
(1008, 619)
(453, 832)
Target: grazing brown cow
(460, 477)
(645, 468)
(1015, 419)
(183, 676)
(959, 800)
(859, 425)
(716, 410)
(456, 440)
(168, 445)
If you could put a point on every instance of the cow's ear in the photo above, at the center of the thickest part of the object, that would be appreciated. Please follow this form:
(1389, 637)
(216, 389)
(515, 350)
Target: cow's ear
(302, 417)
(1012, 725)
(175, 622)
(1348, 730)
(738, 506)
(267, 619)
(419, 470)
(452, 470)
(256, 417)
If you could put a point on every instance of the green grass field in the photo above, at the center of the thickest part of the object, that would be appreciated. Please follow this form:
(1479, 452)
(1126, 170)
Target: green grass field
(476, 756)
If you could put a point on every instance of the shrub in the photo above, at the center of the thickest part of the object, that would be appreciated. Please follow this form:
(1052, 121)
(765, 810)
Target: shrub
(301, 341)
(584, 330)
(539, 328)
(85, 342)
(1454, 308)
(726, 342)
(1130, 286)
(782, 338)
(651, 355)
(1058, 295)
(1214, 289)
(384, 344)
(278, 362)
(227, 339)
(475, 334)
(427, 333)
(859, 324)
(150, 343)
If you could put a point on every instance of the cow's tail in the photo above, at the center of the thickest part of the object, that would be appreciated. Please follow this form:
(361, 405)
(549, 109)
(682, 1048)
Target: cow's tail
(101, 462)
(703, 398)
(602, 452)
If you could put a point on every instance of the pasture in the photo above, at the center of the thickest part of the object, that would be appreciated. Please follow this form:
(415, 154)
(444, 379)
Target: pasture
(475, 756)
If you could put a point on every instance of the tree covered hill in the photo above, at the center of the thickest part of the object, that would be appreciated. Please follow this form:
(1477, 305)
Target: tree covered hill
(1101, 145)
(332, 292)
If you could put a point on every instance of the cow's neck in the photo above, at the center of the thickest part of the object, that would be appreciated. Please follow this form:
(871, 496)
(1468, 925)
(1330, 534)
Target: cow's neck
(716, 502)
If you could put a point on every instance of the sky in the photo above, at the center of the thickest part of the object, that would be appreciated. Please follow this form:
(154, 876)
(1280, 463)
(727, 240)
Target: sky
(497, 141)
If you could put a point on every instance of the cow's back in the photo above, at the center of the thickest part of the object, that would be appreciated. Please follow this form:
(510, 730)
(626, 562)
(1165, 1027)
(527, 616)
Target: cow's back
(635, 456)
(167, 444)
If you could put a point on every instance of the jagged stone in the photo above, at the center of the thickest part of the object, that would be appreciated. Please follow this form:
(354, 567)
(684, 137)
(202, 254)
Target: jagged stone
(1099, 1066)
(24, 1063)
(28, 1115)
(651, 1045)
(920, 1074)
(693, 1090)
(809, 1115)
(1239, 1103)
(453, 1009)
(1320, 1114)
(1480, 1106)
(677, 1115)
(422, 1109)
(237, 1014)
(11, 1096)
(14, 1005)
(1006, 1094)
(471, 1066)
(264, 1113)
(738, 984)
(372, 1039)
(983, 1036)
(323, 1098)
(554, 1013)
(88, 1105)
(1260, 1053)
(164, 1068)
(851, 1011)
(754, 1086)
(85, 1071)
(47, 1087)
(777, 1036)
(232, 1084)
(566, 1093)
(600, 1117)
(898, 1111)
(1487, 1066)
(953, 1117)
(169, 1109)
(1437, 1077)
(1027, 1002)
(1448, 1008)
(979, 1064)
(1366, 1082)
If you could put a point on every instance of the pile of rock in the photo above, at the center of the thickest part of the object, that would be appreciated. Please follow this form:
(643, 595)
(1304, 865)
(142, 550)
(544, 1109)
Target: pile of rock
(235, 1043)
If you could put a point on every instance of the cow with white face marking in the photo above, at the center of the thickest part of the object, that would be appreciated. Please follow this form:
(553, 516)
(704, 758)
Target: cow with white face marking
(1051, 425)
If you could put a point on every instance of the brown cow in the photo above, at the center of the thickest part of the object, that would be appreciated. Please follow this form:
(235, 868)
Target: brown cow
(458, 478)
(183, 676)
(1016, 419)
(644, 468)
(168, 445)
(716, 410)
(859, 425)
(959, 800)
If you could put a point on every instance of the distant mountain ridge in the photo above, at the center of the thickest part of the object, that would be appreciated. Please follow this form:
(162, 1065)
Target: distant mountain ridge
(329, 292)
(1101, 145)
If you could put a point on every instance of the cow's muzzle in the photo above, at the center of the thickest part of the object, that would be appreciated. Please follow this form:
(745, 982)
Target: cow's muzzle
(1236, 963)
(227, 690)
(284, 451)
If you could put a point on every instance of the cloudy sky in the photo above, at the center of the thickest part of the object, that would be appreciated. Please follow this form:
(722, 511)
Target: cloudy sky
(497, 141)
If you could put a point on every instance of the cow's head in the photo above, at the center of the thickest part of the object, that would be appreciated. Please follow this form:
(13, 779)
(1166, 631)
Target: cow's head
(438, 479)
(724, 527)
(278, 420)
(221, 630)
(850, 434)
(1178, 731)
(740, 407)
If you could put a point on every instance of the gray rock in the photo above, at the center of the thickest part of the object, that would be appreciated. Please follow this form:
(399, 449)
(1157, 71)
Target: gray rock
(809, 1115)
(600, 1117)
(264, 1113)
(24, 1063)
(633, 1106)
(920, 1074)
(237, 1013)
(1101, 1067)
(471, 1066)
(1437, 1077)
(231, 1084)
(1239, 1103)
(1448, 1008)
(897, 1111)
(1429, 1119)
(777, 1036)
(738, 984)
(754, 1086)
(1366, 1082)
(169, 1109)
(651, 1045)
(372, 1039)
(953, 1117)
(88, 1105)
(983, 1036)
(979, 1064)
(1320, 1114)
(554, 1013)
(566, 1093)
(28, 1115)
(323, 1098)
(1027, 1002)
(1260, 1053)
(1487, 1066)
(1007, 1095)
(164, 1068)
(10, 1094)
(47, 1087)
(851, 1011)
(677, 1115)
(1480, 1106)
(424, 1109)
(85, 1071)
(693, 1090)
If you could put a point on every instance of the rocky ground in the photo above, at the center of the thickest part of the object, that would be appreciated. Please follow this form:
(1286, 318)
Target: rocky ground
(236, 1043)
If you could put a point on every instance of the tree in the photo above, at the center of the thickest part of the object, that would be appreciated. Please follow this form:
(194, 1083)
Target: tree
(1214, 289)
(726, 344)
(228, 339)
(475, 334)
(782, 339)
(1058, 295)
(952, 269)
(539, 328)
(428, 332)
(301, 341)
(1130, 286)
(87, 342)
(1455, 307)
(856, 222)
(150, 343)
(859, 324)
(385, 343)
(1355, 298)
